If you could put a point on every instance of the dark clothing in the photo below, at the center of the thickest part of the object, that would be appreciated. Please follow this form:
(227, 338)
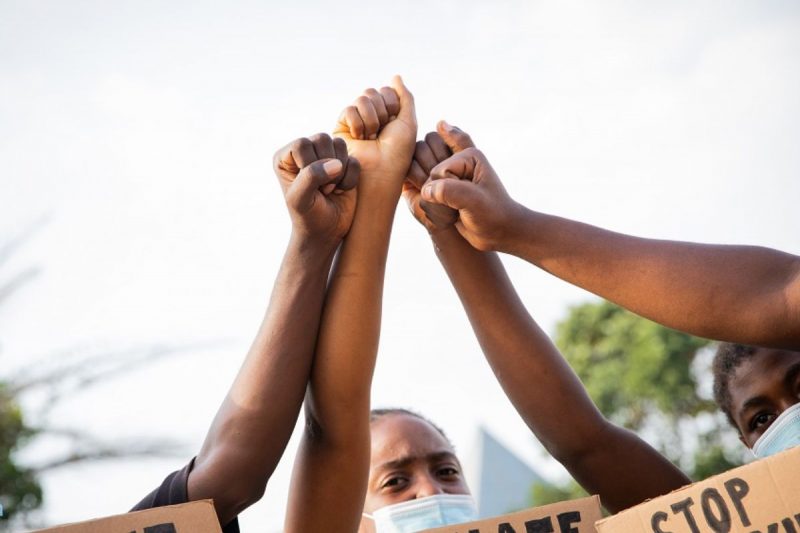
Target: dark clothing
(173, 491)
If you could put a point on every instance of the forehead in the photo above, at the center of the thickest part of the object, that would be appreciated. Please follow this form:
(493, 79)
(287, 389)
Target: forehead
(398, 436)
(756, 375)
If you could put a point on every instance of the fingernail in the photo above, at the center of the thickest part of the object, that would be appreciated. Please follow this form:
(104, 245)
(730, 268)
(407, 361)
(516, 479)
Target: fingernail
(373, 136)
(338, 191)
(446, 125)
(427, 192)
(332, 167)
(391, 118)
(326, 190)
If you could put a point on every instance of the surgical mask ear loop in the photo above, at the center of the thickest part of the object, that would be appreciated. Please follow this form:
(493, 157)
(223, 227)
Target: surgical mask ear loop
(371, 517)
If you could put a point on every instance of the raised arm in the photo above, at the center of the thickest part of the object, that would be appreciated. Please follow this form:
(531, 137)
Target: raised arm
(330, 472)
(605, 459)
(744, 294)
(254, 423)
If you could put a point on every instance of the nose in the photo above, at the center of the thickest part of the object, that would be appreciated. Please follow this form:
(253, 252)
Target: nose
(427, 486)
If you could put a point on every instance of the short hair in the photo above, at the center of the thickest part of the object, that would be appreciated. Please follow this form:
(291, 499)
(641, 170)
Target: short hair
(377, 414)
(728, 358)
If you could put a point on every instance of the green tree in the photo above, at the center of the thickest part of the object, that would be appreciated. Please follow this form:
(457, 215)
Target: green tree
(20, 491)
(652, 380)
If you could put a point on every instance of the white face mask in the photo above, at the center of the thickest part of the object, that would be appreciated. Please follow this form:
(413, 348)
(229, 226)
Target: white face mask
(784, 433)
(425, 513)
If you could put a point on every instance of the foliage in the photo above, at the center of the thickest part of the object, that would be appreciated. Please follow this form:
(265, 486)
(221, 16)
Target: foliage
(649, 379)
(20, 491)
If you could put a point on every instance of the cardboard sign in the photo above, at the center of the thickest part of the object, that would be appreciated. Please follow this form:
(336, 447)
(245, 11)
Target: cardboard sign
(192, 517)
(762, 497)
(574, 516)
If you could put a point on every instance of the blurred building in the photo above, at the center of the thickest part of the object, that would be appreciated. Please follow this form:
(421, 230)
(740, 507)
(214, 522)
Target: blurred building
(500, 481)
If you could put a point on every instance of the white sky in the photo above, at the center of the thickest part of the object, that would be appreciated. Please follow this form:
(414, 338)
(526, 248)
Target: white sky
(146, 129)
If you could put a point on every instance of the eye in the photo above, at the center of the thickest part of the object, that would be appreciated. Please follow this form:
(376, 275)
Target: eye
(394, 482)
(448, 472)
(761, 421)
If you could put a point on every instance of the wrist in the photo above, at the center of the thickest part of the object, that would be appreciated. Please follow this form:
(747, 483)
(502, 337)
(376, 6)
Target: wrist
(443, 236)
(383, 177)
(519, 230)
(448, 241)
(314, 249)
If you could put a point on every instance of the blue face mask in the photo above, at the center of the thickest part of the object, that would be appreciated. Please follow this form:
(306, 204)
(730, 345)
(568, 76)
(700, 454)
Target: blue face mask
(784, 433)
(425, 513)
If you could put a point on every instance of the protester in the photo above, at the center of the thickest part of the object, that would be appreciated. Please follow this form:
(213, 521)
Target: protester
(256, 419)
(603, 458)
(758, 389)
(415, 477)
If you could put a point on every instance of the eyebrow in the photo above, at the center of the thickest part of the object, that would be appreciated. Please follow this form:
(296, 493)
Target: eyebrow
(401, 462)
(755, 401)
(788, 378)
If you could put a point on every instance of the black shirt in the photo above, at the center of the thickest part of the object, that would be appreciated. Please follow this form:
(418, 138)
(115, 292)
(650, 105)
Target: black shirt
(173, 491)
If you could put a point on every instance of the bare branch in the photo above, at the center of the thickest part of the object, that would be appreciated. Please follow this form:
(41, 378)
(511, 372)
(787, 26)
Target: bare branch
(16, 282)
(80, 372)
(12, 245)
(96, 451)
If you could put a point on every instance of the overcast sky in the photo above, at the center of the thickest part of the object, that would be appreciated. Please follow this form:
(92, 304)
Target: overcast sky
(145, 130)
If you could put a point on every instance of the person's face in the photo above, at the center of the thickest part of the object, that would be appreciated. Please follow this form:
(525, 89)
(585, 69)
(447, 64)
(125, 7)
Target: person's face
(410, 460)
(761, 388)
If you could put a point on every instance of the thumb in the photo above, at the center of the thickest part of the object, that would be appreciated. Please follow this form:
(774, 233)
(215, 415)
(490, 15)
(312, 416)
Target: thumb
(408, 110)
(452, 192)
(302, 193)
(455, 138)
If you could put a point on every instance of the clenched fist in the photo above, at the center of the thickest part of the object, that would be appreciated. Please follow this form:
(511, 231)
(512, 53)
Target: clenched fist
(380, 129)
(318, 180)
(468, 183)
(437, 146)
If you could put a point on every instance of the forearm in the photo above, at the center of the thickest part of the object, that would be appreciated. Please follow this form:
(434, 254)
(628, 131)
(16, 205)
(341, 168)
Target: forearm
(350, 330)
(254, 423)
(531, 371)
(742, 294)
(541, 385)
(331, 469)
(624, 470)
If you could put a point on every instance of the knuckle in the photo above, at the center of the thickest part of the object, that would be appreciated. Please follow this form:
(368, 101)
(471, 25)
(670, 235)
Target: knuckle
(353, 166)
(319, 137)
(433, 137)
(302, 142)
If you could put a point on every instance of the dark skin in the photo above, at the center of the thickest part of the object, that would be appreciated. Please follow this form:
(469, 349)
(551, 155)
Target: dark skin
(605, 459)
(761, 388)
(410, 459)
(254, 422)
(332, 464)
(743, 294)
